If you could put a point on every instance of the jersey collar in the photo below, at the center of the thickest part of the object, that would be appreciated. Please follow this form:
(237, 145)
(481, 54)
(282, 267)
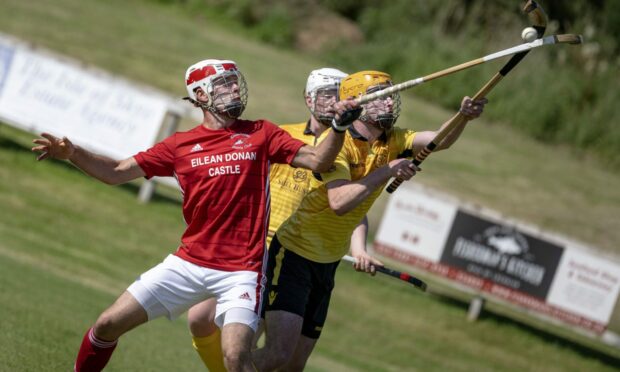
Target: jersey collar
(356, 135)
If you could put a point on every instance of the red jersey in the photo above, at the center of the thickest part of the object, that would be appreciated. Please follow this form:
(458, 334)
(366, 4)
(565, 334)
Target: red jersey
(224, 177)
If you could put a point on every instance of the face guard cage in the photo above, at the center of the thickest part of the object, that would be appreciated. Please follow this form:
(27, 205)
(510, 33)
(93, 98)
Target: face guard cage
(377, 113)
(229, 94)
(322, 100)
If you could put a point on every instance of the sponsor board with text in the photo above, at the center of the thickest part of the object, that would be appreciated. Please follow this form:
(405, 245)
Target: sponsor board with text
(43, 93)
(501, 254)
(475, 248)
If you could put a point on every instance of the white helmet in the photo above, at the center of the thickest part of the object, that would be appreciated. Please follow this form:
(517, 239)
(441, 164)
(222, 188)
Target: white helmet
(202, 74)
(324, 78)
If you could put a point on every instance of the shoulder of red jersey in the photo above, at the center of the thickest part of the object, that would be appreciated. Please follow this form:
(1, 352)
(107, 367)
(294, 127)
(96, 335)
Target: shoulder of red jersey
(197, 128)
(184, 133)
(249, 126)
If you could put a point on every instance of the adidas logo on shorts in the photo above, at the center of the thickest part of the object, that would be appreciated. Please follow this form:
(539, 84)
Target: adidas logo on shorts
(245, 296)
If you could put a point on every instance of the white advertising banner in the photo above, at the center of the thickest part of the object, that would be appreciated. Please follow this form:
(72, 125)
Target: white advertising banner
(585, 285)
(416, 223)
(6, 56)
(42, 94)
(477, 248)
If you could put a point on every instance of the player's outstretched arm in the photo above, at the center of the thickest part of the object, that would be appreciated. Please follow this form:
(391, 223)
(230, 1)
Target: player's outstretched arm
(321, 157)
(107, 170)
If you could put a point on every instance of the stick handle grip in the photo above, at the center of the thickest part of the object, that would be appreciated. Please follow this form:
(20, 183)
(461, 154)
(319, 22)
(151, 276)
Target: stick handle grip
(402, 276)
(394, 273)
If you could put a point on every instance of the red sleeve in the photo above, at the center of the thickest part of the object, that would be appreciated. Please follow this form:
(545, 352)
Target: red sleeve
(159, 159)
(282, 147)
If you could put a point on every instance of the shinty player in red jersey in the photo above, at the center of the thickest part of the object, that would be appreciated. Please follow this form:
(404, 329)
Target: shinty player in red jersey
(222, 168)
(288, 186)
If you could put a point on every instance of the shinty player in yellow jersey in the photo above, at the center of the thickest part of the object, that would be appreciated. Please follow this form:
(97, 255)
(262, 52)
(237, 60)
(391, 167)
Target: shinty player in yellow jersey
(288, 186)
(307, 247)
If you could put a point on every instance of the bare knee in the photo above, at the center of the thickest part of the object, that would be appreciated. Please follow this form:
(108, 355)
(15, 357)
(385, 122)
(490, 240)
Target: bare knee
(106, 328)
(201, 328)
(236, 359)
(125, 314)
(237, 344)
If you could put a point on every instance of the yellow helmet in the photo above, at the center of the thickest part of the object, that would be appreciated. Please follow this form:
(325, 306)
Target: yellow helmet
(360, 83)
(357, 84)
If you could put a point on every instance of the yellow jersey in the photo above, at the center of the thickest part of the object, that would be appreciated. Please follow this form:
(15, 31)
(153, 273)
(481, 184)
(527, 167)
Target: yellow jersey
(314, 231)
(288, 185)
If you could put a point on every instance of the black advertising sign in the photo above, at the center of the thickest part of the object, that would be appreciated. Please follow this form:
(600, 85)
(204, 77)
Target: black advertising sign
(501, 254)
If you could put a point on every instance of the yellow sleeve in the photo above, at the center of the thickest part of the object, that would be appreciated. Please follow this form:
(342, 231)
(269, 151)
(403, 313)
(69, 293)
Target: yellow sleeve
(340, 170)
(409, 137)
(402, 142)
(404, 137)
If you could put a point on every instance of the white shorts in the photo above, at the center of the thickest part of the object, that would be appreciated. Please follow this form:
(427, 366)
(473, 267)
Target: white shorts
(172, 287)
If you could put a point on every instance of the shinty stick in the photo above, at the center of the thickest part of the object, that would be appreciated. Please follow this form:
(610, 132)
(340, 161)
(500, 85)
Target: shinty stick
(538, 18)
(549, 40)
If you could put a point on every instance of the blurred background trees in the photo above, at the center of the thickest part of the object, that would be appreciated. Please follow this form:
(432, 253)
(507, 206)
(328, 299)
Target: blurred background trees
(561, 94)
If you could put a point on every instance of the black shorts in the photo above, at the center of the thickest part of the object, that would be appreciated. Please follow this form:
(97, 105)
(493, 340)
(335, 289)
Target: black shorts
(299, 286)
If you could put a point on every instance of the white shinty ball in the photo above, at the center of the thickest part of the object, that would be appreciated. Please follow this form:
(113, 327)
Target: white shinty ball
(529, 34)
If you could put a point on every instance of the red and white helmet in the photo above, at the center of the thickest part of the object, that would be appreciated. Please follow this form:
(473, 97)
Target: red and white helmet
(204, 73)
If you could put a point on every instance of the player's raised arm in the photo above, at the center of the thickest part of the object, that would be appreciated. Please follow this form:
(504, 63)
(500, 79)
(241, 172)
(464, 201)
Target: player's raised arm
(471, 109)
(101, 167)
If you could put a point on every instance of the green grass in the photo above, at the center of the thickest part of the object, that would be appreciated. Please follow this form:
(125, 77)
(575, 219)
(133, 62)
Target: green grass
(69, 246)
(428, 333)
(48, 309)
